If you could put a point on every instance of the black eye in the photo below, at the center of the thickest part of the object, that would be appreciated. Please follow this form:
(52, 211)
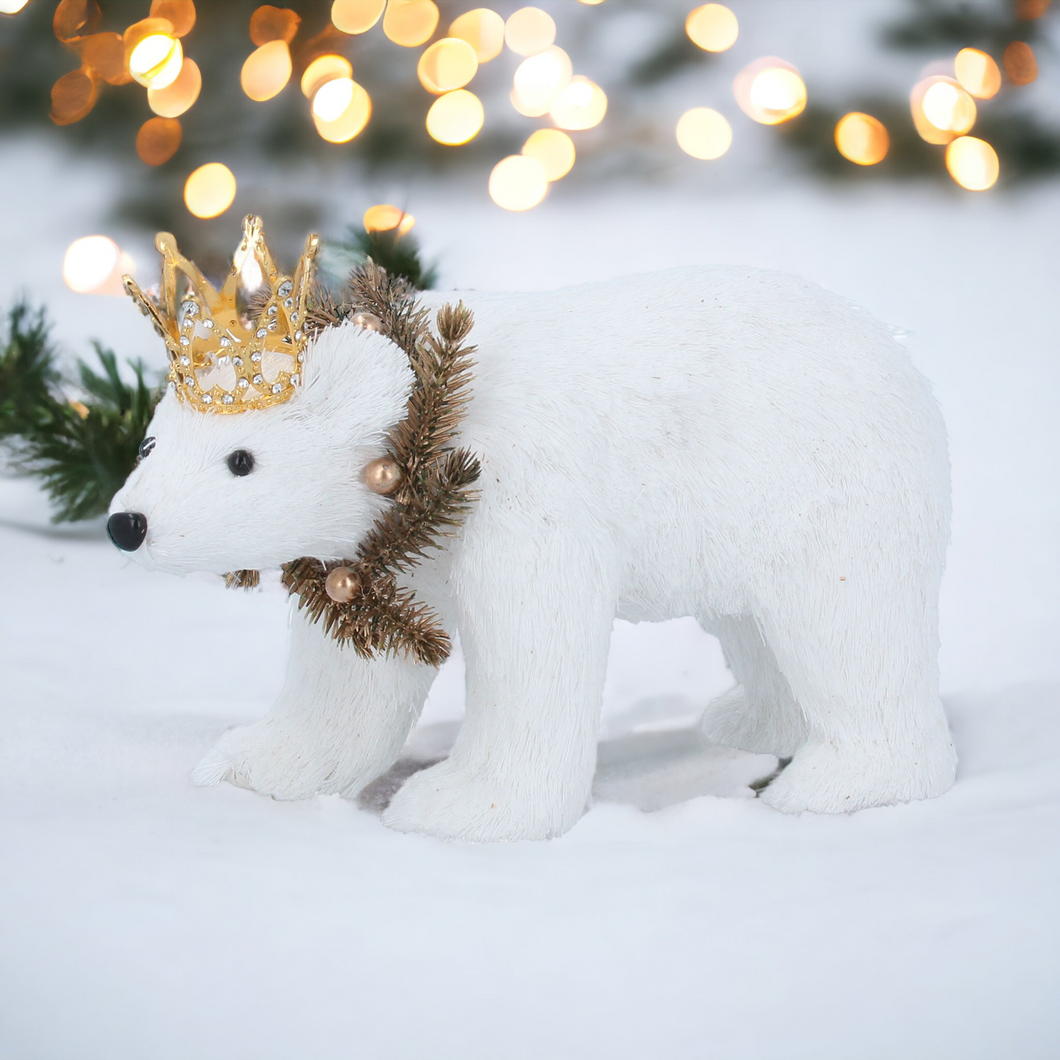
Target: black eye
(146, 446)
(240, 462)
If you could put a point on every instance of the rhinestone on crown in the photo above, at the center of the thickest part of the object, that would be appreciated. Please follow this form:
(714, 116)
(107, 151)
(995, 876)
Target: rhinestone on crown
(201, 370)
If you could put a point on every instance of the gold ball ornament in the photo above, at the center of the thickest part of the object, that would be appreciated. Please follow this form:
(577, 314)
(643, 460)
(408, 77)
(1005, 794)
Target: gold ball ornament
(383, 476)
(342, 585)
(368, 321)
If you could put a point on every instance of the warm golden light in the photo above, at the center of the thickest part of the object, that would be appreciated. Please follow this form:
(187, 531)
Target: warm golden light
(210, 190)
(977, 73)
(861, 138)
(158, 140)
(703, 133)
(269, 23)
(770, 91)
(455, 117)
(581, 105)
(322, 69)
(529, 31)
(948, 107)
(180, 13)
(518, 183)
(447, 64)
(350, 122)
(385, 218)
(410, 23)
(156, 60)
(356, 16)
(553, 149)
(713, 27)
(590, 3)
(73, 96)
(104, 53)
(12, 7)
(539, 80)
(1020, 63)
(483, 29)
(92, 264)
(972, 163)
(175, 99)
(941, 109)
(267, 70)
(332, 98)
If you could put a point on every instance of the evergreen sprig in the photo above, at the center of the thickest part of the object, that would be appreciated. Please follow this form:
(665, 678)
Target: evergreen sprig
(79, 435)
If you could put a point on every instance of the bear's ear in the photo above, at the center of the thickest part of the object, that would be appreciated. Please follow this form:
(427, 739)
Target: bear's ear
(357, 375)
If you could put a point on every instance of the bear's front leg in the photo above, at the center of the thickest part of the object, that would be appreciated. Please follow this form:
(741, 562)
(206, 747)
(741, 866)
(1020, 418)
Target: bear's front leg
(340, 722)
(535, 624)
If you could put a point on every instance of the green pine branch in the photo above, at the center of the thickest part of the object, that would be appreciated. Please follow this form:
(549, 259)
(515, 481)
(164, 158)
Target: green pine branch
(79, 435)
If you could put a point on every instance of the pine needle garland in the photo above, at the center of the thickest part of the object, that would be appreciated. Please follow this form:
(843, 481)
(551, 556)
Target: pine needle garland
(435, 493)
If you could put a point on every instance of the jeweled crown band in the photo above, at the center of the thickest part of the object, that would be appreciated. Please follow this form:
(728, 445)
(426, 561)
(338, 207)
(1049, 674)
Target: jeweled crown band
(220, 359)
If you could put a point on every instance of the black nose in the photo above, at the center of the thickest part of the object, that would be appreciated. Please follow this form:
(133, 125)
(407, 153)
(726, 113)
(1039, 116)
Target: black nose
(127, 530)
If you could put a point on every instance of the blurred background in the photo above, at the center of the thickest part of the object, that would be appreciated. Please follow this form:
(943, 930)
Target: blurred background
(904, 153)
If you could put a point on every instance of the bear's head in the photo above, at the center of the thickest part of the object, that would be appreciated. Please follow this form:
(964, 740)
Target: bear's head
(255, 455)
(257, 489)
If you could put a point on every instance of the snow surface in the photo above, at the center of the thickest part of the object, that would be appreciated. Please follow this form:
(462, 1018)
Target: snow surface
(142, 917)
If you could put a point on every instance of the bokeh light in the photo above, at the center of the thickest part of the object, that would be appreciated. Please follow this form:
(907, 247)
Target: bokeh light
(322, 69)
(941, 109)
(73, 96)
(518, 183)
(1020, 63)
(483, 29)
(410, 23)
(269, 23)
(12, 7)
(581, 105)
(210, 190)
(455, 117)
(155, 60)
(553, 149)
(386, 218)
(175, 99)
(180, 13)
(158, 140)
(704, 133)
(105, 54)
(356, 16)
(539, 80)
(350, 122)
(529, 31)
(972, 163)
(266, 71)
(93, 265)
(861, 138)
(712, 27)
(770, 91)
(332, 98)
(977, 73)
(447, 64)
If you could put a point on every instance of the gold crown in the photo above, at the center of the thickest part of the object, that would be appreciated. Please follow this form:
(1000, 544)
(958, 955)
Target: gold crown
(221, 360)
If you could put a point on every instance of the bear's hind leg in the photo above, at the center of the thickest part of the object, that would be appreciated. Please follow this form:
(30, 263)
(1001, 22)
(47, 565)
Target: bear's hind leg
(759, 714)
(862, 667)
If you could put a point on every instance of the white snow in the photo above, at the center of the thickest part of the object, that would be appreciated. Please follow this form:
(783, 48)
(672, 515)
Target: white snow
(142, 917)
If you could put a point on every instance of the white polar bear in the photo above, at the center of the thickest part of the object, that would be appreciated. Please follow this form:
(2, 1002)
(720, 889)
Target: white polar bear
(732, 444)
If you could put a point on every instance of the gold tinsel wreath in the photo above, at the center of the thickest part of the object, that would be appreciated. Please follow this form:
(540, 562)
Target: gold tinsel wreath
(434, 494)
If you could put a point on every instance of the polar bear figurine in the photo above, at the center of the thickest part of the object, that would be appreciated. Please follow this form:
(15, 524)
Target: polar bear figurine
(731, 444)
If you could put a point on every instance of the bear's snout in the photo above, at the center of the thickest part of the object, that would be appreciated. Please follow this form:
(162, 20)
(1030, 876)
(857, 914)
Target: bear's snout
(127, 530)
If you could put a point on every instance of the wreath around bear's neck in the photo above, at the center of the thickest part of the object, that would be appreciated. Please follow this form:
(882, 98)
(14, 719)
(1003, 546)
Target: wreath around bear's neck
(433, 490)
